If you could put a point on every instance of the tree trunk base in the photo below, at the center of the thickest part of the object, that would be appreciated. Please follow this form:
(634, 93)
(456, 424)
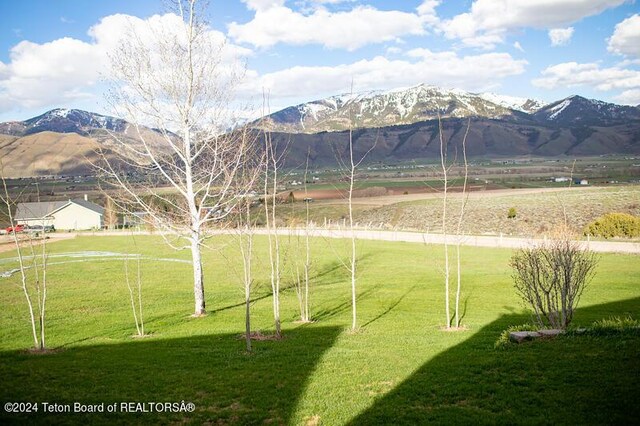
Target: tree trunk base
(141, 336)
(44, 351)
(256, 335)
(199, 314)
(454, 329)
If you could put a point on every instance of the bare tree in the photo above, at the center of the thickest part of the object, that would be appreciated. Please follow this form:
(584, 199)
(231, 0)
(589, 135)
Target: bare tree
(135, 292)
(551, 276)
(461, 216)
(351, 167)
(173, 78)
(245, 229)
(445, 169)
(110, 214)
(307, 262)
(33, 277)
(270, 188)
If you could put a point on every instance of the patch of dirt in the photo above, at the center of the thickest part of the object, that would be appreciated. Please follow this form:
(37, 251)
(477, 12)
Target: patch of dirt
(454, 329)
(312, 421)
(33, 351)
(258, 336)
(7, 243)
(143, 336)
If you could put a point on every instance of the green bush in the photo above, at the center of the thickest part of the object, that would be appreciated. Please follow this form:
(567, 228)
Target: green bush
(610, 327)
(503, 341)
(512, 213)
(614, 225)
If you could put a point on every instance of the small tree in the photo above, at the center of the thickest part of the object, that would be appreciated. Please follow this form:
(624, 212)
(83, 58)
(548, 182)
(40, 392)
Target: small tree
(512, 213)
(110, 214)
(245, 232)
(33, 284)
(551, 276)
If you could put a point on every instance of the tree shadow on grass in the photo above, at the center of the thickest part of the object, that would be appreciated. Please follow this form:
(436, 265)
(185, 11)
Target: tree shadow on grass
(225, 384)
(336, 310)
(389, 308)
(568, 380)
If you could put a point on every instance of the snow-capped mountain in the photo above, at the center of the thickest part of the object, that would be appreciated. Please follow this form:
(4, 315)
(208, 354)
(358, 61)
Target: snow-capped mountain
(576, 110)
(394, 107)
(63, 120)
(512, 102)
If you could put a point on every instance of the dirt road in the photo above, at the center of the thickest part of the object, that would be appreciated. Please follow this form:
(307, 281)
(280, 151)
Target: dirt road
(470, 240)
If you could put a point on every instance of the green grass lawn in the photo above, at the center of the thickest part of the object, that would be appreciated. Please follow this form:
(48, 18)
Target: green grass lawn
(400, 368)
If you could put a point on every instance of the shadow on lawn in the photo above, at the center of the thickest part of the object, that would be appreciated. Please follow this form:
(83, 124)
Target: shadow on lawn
(570, 380)
(225, 384)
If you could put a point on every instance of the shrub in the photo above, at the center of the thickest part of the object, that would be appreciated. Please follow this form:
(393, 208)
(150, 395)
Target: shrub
(512, 213)
(503, 341)
(615, 325)
(551, 276)
(614, 225)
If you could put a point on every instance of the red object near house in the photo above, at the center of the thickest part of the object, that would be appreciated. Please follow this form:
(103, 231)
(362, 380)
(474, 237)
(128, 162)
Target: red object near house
(16, 229)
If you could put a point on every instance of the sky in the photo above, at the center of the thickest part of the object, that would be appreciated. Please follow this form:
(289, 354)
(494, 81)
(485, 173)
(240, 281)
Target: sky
(55, 53)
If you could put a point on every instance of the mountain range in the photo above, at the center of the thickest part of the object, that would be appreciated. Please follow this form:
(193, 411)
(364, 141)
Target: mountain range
(402, 124)
(394, 107)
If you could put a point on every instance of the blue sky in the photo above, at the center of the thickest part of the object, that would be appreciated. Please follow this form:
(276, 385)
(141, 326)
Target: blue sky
(53, 53)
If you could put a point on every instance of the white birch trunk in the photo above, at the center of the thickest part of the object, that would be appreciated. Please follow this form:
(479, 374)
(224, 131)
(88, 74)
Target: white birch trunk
(198, 286)
(443, 162)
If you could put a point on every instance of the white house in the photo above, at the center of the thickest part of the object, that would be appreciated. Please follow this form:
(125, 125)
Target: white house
(63, 215)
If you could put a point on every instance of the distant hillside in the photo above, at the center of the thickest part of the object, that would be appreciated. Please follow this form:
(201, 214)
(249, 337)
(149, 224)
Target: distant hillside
(65, 142)
(491, 138)
(47, 153)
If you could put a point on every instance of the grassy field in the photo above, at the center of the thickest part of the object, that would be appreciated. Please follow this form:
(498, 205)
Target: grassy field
(400, 368)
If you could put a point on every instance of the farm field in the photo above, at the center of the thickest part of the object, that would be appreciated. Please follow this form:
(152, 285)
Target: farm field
(399, 368)
(538, 210)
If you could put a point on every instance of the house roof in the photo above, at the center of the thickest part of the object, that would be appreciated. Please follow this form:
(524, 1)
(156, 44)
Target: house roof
(43, 209)
(37, 210)
(89, 205)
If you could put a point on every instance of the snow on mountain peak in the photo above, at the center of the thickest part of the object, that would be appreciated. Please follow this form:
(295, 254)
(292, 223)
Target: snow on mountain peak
(513, 102)
(557, 109)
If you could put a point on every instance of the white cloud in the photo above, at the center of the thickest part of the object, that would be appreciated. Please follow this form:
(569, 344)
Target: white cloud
(573, 74)
(43, 74)
(328, 1)
(260, 5)
(491, 20)
(629, 97)
(393, 50)
(518, 46)
(626, 37)
(447, 69)
(67, 70)
(560, 36)
(275, 23)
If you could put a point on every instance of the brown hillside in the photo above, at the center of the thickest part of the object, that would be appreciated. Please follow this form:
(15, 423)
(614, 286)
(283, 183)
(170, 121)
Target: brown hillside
(47, 153)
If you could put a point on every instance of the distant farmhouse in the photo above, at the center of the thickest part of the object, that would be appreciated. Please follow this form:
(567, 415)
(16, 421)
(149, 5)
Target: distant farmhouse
(75, 214)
